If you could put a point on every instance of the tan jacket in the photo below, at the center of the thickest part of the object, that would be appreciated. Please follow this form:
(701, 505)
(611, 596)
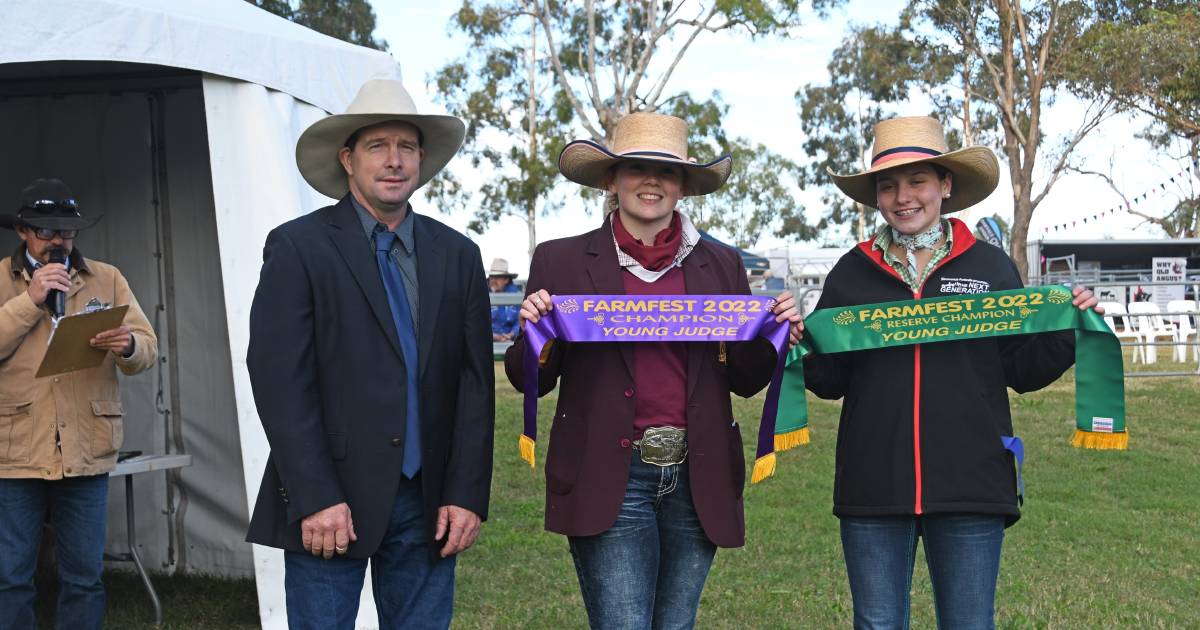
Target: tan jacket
(67, 425)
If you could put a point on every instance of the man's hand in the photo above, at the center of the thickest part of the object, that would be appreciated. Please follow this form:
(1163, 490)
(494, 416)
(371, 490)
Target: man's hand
(786, 309)
(118, 341)
(328, 532)
(460, 526)
(1085, 299)
(51, 276)
(537, 304)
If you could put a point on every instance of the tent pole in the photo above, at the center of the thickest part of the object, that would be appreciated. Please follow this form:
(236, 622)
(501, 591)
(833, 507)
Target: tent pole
(177, 546)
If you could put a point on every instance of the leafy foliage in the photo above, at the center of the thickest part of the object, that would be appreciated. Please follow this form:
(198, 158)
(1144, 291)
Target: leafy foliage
(348, 20)
(595, 62)
(1143, 54)
(986, 67)
(873, 71)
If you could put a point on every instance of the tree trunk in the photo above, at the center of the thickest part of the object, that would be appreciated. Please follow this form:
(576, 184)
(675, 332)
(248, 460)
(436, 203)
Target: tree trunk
(968, 133)
(1019, 237)
(531, 207)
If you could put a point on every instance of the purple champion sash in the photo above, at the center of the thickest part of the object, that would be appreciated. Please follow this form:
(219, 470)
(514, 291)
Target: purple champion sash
(618, 318)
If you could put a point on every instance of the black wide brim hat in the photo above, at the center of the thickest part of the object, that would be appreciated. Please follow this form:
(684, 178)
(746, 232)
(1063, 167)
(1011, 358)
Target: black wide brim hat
(48, 204)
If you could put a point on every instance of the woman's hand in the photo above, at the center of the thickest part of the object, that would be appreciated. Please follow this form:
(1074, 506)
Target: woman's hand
(535, 305)
(786, 309)
(1085, 299)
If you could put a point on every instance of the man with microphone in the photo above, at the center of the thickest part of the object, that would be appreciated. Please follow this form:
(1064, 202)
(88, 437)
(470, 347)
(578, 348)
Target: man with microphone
(59, 434)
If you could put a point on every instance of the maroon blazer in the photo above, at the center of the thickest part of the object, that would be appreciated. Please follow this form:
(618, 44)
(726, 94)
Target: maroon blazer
(587, 467)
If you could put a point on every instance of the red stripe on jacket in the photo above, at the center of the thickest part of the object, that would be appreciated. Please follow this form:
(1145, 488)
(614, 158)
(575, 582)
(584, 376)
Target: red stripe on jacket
(963, 240)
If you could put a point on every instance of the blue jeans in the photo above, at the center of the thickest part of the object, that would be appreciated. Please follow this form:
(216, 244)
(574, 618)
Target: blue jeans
(411, 589)
(648, 569)
(963, 554)
(77, 509)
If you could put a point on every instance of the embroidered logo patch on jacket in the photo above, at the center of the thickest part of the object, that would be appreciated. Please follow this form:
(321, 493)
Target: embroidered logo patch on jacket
(965, 285)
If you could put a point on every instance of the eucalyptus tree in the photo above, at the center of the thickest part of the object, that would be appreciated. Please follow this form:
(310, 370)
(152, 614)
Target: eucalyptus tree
(348, 20)
(989, 68)
(539, 71)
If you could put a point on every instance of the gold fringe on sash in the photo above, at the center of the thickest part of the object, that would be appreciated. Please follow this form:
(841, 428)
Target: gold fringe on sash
(791, 439)
(763, 467)
(1101, 441)
(528, 452)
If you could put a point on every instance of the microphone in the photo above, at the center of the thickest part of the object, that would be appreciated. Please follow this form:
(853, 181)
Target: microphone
(55, 298)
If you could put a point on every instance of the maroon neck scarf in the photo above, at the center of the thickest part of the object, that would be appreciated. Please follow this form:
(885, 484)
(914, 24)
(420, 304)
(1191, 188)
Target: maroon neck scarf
(656, 255)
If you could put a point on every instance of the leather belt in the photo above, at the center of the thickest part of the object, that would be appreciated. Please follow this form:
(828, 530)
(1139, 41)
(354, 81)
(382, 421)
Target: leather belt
(663, 446)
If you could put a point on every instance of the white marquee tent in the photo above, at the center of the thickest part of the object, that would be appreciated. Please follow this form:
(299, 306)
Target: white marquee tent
(177, 120)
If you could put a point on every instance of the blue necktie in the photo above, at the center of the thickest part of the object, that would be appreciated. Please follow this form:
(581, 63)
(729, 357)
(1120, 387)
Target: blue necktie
(402, 317)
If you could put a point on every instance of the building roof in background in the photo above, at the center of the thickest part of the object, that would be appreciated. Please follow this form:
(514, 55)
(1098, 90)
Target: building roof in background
(231, 38)
(1121, 253)
(753, 262)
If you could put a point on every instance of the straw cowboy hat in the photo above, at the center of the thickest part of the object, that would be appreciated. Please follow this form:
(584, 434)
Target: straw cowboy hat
(500, 269)
(48, 204)
(377, 101)
(913, 139)
(643, 136)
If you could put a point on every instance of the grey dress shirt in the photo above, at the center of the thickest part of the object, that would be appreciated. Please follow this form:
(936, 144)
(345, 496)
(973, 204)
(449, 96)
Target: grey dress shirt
(404, 253)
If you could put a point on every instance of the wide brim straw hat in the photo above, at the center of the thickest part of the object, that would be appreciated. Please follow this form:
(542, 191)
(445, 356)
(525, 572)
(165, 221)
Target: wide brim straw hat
(648, 137)
(920, 139)
(377, 101)
(499, 269)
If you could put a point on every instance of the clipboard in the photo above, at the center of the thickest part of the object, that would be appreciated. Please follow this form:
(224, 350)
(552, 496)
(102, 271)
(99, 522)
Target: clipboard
(69, 349)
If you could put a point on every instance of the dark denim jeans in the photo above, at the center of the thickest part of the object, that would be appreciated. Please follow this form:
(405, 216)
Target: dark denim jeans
(410, 589)
(963, 554)
(77, 509)
(648, 569)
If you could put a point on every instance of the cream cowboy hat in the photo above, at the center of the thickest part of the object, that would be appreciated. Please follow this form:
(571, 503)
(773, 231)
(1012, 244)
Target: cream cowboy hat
(377, 101)
(500, 269)
(907, 140)
(643, 136)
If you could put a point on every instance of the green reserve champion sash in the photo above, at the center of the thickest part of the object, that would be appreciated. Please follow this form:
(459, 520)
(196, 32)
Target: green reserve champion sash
(1099, 372)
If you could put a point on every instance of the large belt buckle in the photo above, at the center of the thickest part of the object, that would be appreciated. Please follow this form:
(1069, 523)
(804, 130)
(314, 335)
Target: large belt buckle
(663, 446)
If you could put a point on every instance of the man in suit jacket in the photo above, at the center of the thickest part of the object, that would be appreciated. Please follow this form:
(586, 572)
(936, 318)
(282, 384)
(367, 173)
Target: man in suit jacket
(371, 365)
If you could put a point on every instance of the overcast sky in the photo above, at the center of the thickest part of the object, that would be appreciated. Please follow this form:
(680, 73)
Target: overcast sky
(759, 80)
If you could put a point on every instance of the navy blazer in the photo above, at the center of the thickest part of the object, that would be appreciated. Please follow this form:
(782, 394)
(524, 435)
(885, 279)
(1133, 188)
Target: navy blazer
(587, 463)
(330, 386)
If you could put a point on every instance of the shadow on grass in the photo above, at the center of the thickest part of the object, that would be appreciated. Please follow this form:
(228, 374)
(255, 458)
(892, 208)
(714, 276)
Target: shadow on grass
(188, 601)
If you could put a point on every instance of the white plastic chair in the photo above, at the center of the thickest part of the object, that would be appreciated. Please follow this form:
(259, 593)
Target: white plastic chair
(1151, 326)
(1185, 329)
(1126, 330)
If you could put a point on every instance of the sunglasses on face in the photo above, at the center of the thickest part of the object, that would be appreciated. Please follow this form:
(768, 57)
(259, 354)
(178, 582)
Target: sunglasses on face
(47, 234)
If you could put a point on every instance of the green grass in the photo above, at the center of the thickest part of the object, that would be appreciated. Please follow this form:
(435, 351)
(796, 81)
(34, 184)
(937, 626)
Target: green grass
(1107, 540)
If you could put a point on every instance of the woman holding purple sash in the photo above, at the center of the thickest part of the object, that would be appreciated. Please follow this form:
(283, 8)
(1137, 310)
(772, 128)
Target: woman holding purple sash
(645, 468)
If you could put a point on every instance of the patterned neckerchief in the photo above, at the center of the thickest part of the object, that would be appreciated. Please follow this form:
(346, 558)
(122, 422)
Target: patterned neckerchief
(884, 240)
(691, 236)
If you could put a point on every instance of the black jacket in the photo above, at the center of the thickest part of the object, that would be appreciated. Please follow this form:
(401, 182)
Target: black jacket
(329, 378)
(921, 425)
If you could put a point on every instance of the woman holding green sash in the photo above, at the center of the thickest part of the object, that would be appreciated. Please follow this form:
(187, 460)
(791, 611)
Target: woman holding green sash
(924, 429)
(645, 469)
